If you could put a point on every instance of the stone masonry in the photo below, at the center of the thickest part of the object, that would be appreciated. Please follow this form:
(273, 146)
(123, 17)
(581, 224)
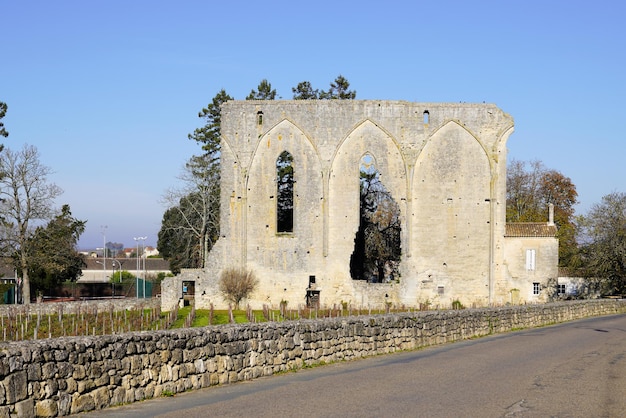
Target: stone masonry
(57, 377)
(444, 164)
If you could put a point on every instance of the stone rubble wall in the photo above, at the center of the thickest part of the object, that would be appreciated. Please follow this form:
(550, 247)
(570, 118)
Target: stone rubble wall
(57, 377)
(74, 307)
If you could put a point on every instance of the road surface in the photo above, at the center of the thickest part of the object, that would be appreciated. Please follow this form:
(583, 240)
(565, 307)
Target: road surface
(576, 369)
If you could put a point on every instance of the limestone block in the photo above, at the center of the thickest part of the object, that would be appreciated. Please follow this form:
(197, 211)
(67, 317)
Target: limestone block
(85, 385)
(140, 393)
(51, 387)
(71, 385)
(34, 371)
(46, 408)
(25, 408)
(16, 363)
(214, 379)
(82, 403)
(16, 387)
(118, 395)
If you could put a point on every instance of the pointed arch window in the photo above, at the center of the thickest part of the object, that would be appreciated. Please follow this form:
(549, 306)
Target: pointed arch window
(284, 192)
(377, 247)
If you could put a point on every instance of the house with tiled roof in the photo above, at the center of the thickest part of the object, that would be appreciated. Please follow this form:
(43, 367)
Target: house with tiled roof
(531, 254)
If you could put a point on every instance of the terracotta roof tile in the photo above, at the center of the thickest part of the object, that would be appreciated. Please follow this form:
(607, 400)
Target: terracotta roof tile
(530, 229)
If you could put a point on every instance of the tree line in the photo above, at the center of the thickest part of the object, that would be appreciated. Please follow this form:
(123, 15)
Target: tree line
(38, 240)
(592, 246)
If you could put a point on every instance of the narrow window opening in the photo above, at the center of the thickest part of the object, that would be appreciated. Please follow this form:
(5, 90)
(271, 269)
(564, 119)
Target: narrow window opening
(259, 118)
(284, 187)
(530, 259)
(426, 117)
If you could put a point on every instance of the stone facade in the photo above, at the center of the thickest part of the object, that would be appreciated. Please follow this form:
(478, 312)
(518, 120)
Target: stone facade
(62, 376)
(444, 164)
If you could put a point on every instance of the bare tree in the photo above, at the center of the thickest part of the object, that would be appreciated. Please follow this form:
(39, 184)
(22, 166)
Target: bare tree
(191, 224)
(237, 284)
(26, 199)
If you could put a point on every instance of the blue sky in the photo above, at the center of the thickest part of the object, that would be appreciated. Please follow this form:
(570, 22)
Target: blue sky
(108, 90)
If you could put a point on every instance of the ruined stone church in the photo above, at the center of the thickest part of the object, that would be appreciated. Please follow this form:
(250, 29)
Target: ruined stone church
(444, 164)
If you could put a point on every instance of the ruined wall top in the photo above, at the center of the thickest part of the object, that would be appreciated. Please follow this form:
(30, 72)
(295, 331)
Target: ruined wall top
(327, 121)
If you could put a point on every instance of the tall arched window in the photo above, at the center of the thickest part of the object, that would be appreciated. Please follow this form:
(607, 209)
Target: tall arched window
(377, 251)
(284, 191)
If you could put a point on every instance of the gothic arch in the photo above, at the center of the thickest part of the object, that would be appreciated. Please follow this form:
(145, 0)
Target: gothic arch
(262, 232)
(451, 213)
(343, 199)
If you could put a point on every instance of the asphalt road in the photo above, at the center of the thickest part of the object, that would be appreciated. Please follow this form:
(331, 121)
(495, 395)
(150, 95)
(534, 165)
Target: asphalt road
(576, 369)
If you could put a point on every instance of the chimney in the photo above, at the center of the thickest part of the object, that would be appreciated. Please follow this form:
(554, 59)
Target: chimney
(551, 214)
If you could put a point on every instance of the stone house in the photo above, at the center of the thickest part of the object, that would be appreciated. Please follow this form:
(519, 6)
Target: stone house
(532, 258)
(443, 163)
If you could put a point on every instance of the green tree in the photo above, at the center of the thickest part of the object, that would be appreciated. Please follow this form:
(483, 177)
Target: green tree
(531, 188)
(175, 244)
(3, 112)
(52, 254)
(264, 92)
(603, 237)
(304, 91)
(209, 135)
(124, 277)
(26, 196)
(339, 89)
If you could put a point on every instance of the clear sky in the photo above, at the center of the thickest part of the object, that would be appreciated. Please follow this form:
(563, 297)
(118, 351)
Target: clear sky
(108, 90)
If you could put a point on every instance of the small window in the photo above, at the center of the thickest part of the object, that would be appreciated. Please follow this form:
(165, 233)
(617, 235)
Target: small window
(560, 288)
(259, 118)
(530, 259)
(440, 290)
(536, 288)
(426, 117)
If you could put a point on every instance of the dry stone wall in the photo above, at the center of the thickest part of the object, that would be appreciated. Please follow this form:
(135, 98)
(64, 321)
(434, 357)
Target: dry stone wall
(76, 307)
(64, 376)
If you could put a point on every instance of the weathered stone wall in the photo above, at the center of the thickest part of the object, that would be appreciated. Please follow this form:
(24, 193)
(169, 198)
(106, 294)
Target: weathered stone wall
(545, 269)
(443, 163)
(74, 307)
(63, 376)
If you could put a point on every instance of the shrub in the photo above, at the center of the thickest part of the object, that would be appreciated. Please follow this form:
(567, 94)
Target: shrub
(456, 304)
(237, 284)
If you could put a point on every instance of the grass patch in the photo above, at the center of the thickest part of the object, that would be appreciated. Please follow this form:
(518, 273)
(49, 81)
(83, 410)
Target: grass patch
(201, 319)
(180, 318)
